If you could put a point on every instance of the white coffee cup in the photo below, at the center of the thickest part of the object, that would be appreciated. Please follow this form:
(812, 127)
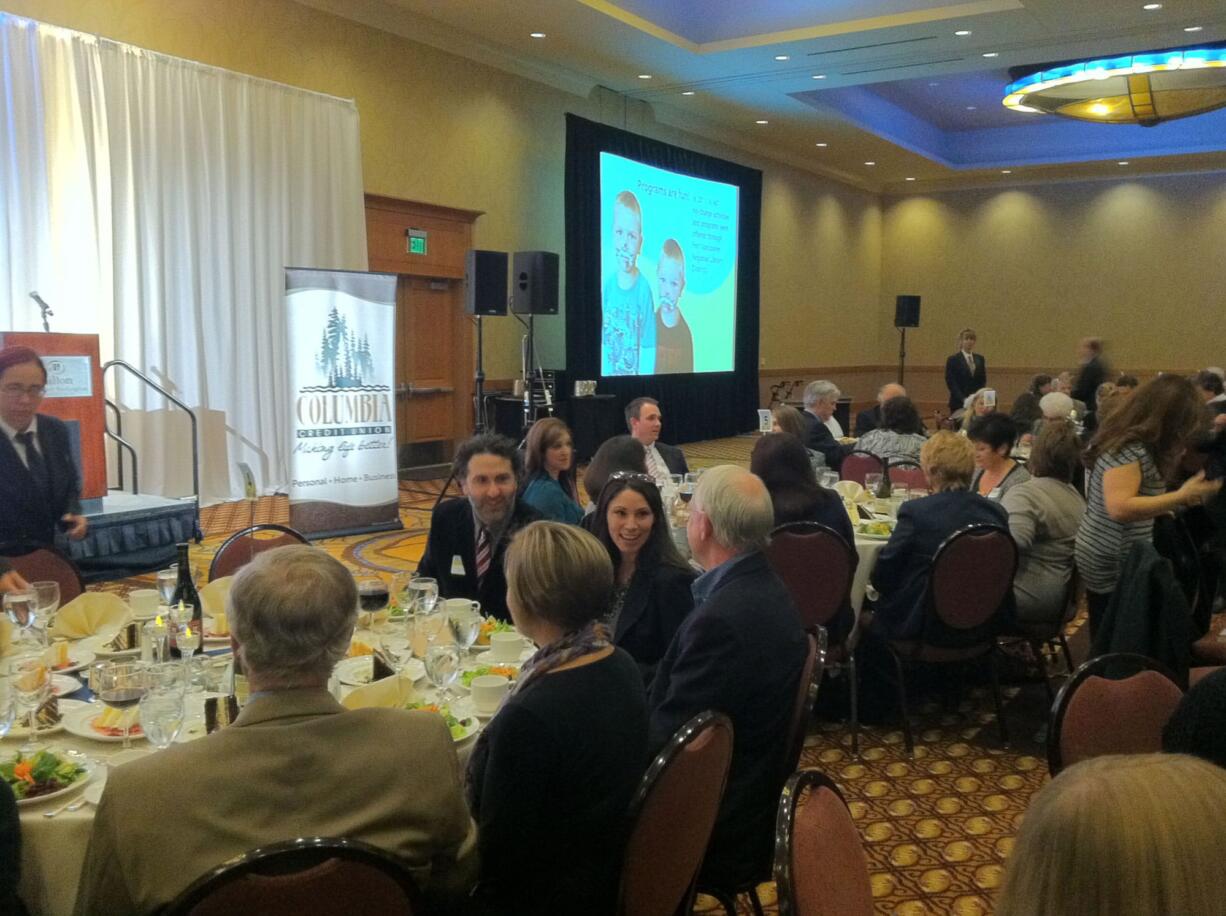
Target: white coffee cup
(144, 602)
(488, 691)
(459, 605)
(506, 646)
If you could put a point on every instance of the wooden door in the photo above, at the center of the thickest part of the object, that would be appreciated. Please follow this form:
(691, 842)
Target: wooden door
(434, 338)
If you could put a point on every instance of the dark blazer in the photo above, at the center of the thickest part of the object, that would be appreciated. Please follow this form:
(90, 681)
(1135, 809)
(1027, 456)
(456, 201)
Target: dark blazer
(452, 535)
(658, 600)
(819, 438)
(24, 516)
(1092, 374)
(901, 573)
(740, 653)
(960, 381)
(673, 457)
(867, 420)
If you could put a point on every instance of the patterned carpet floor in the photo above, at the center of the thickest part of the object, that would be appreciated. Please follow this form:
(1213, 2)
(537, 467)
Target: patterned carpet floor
(937, 827)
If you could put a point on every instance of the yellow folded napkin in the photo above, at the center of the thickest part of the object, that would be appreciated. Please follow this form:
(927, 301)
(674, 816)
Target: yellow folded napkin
(90, 613)
(391, 692)
(213, 596)
(849, 489)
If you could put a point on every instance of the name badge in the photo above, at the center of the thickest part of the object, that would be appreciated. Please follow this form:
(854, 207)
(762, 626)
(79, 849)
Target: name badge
(995, 493)
(457, 566)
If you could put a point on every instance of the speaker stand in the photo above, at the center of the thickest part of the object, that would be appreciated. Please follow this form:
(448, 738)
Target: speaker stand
(902, 353)
(479, 383)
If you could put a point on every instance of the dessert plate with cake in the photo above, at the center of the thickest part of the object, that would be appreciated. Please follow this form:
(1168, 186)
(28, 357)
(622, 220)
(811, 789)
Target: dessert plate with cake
(125, 641)
(102, 723)
(49, 718)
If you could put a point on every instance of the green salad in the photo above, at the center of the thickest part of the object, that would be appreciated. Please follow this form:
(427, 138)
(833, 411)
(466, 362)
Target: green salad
(42, 774)
(508, 671)
(457, 728)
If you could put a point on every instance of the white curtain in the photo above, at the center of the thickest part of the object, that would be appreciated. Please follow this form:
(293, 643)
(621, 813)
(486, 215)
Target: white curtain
(155, 201)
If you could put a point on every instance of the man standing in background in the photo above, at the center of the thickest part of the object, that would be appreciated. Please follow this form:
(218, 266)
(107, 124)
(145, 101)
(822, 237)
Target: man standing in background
(1093, 372)
(966, 371)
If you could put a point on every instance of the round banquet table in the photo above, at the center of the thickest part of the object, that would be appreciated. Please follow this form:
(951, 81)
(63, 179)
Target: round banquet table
(868, 550)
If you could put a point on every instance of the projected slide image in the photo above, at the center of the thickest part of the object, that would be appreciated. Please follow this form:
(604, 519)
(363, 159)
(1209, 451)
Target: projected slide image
(668, 270)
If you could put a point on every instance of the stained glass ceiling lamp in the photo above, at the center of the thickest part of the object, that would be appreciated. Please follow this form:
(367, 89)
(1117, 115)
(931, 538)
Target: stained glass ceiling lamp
(1144, 89)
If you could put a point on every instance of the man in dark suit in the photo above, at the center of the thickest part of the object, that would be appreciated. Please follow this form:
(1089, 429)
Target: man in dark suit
(820, 399)
(1092, 374)
(468, 537)
(966, 371)
(739, 652)
(40, 487)
(870, 419)
(644, 420)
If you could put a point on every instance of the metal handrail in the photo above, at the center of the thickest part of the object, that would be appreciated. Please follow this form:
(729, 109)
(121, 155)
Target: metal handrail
(191, 415)
(120, 444)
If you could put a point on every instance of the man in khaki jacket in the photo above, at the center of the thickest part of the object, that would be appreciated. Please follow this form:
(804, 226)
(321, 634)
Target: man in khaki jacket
(294, 763)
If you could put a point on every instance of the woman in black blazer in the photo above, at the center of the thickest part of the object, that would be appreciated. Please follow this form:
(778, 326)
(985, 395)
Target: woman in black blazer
(652, 592)
(782, 462)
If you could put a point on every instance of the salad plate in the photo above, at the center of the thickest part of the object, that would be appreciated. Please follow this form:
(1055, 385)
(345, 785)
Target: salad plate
(461, 728)
(46, 767)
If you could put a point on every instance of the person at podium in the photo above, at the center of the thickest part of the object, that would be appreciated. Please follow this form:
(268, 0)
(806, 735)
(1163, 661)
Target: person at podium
(40, 487)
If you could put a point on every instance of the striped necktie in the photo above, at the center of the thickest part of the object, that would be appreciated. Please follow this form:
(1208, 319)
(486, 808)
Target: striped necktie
(653, 467)
(483, 554)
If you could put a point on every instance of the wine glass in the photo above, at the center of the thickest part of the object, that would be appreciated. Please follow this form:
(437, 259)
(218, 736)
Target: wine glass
(121, 685)
(372, 596)
(465, 625)
(162, 708)
(188, 637)
(872, 483)
(442, 668)
(168, 579)
(31, 680)
(48, 599)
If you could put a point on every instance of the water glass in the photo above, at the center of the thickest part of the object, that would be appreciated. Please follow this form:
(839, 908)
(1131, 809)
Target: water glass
(31, 681)
(829, 479)
(442, 668)
(872, 483)
(162, 715)
(21, 606)
(168, 579)
(465, 625)
(48, 593)
(423, 595)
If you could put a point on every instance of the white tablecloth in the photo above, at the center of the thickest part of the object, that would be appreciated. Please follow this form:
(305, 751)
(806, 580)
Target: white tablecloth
(868, 550)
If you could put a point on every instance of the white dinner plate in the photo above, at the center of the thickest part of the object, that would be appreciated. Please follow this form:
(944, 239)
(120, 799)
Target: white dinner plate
(64, 684)
(97, 645)
(19, 729)
(211, 639)
(357, 671)
(85, 777)
(78, 657)
(471, 727)
(77, 722)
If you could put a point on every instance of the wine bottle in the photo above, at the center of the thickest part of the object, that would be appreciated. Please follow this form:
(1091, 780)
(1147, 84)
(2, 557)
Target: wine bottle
(884, 488)
(186, 594)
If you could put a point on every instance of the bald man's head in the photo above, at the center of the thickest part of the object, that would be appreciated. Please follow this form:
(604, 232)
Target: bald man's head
(738, 506)
(890, 390)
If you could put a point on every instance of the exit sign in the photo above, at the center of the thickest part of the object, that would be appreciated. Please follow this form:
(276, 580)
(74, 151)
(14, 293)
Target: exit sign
(417, 241)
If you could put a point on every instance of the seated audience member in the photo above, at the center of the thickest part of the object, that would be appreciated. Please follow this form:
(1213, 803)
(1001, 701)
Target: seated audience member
(621, 453)
(1137, 448)
(899, 436)
(1063, 384)
(1128, 382)
(550, 468)
(1056, 407)
(1026, 406)
(644, 420)
(820, 399)
(1125, 835)
(787, 419)
(1198, 725)
(469, 536)
(651, 591)
(294, 763)
(976, 406)
(1044, 515)
(795, 494)
(552, 776)
(1105, 390)
(1211, 388)
(996, 473)
(903, 566)
(743, 617)
(868, 420)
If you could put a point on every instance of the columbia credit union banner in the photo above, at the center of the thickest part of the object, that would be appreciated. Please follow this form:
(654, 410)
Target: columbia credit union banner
(341, 356)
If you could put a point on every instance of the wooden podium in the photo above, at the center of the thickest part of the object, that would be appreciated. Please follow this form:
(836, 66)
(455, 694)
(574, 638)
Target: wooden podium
(74, 395)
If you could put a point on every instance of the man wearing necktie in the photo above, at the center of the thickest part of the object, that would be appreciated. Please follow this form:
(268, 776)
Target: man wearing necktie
(40, 486)
(966, 371)
(644, 420)
(468, 537)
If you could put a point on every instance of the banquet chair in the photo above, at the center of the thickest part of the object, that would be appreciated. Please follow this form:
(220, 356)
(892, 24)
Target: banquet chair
(971, 583)
(672, 816)
(48, 564)
(241, 547)
(305, 877)
(1050, 633)
(856, 464)
(820, 865)
(1113, 704)
(907, 474)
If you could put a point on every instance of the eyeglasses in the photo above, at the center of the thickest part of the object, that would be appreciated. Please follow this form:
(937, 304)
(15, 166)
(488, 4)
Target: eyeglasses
(632, 475)
(15, 390)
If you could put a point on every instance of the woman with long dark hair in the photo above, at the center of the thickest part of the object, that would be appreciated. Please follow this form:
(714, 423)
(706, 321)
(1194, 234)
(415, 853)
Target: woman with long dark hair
(651, 595)
(549, 465)
(781, 461)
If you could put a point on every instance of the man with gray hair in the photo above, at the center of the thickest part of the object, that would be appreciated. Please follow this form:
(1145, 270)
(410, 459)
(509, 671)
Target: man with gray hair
(294, 763)
(739, 652)
(820, 400)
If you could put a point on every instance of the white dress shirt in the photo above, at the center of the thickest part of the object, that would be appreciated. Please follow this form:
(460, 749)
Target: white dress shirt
(835, 429)
(658, 468)
(17, 443)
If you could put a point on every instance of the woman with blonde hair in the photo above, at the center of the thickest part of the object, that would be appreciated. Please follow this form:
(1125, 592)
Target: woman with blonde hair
(976, 406)
(549, 466)
(1136, 835)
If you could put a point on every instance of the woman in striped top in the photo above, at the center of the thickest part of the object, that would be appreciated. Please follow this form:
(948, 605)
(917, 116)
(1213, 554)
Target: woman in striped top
(1137, 448)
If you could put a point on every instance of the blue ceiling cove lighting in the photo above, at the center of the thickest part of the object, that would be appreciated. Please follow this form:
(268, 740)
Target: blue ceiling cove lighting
(1145, 89)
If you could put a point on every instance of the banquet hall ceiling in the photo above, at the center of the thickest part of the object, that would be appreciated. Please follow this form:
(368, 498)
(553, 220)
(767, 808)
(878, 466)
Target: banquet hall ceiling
(881, 81)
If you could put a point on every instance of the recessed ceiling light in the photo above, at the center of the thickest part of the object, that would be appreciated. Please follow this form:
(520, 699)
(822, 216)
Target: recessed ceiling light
(644, 76)
(870, 162)
(822, 145)
(991, 54)
(819, 76)
(972, 107)
(1195, 28)
(1122, 162)
(910, 179)
(1152, 6)
(688, 92)
(536, 34)
(1006, 171)
(782, 57)
(962, 33)
(934, 83)
(761, 121)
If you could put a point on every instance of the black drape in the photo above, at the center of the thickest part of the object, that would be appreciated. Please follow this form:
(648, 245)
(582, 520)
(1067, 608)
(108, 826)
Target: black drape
(695, 406)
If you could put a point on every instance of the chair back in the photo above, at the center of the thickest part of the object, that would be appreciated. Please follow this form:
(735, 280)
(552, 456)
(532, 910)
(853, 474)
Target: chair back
(817, 566)
(972, 576)
(857, 464)
(672, 816)
(907, 474)
(806, 697)
(50, 564)
(1113, 704)
(241, 547)
(820, 865)
(305, 877)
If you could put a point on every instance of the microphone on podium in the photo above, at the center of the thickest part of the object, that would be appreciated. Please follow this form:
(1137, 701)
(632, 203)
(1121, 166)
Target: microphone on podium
(46, 309)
